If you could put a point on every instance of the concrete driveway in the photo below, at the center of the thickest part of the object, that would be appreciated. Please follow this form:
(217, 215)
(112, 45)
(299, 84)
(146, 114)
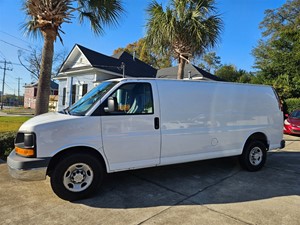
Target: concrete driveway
(206, 192)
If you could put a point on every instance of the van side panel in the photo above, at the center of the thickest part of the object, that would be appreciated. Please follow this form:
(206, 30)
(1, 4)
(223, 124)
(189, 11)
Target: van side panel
(64, 131)
(131, 141)
(201, 120)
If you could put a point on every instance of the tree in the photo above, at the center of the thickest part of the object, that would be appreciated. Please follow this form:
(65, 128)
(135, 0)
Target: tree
(232, 74)
(277, 55)
(32, 61)
(147, 54)
(210, 61)
(185, 29)
(228, 73)
(46, 17)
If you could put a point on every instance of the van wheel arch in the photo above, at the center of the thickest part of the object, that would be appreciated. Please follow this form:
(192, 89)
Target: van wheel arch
(80, 149)
(254, 152)
(258, 136)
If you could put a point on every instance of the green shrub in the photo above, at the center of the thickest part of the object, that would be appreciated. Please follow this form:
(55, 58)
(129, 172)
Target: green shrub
(292, 104)
(6, 143)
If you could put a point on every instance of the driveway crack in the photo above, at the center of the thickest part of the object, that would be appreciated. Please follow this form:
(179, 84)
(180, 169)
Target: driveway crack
(187, 197)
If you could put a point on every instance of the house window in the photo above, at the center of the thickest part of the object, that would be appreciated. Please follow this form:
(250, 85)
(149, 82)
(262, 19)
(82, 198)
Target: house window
(53, 92)
(84, 89)
(34, 92)
(64, 96)
(73, 93)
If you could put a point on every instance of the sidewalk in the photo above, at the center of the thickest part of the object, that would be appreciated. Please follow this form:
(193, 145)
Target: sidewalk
(19, 114)
(3, 113)
(292, 143)
(6, 114)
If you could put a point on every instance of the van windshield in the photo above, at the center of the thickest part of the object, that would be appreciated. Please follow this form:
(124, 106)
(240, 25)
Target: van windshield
(80, 107)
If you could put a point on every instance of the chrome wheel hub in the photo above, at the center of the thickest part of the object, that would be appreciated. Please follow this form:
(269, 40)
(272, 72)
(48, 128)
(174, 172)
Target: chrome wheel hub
(78, 177)
(256, 156)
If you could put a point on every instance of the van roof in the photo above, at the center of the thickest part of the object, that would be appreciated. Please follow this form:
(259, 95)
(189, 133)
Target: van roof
(188, 80)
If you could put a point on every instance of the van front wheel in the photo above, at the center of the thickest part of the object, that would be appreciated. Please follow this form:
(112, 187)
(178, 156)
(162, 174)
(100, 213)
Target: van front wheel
(76, 176)
(254, 156)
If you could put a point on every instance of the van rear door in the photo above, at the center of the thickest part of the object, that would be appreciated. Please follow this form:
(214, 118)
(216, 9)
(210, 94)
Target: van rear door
(130, 132)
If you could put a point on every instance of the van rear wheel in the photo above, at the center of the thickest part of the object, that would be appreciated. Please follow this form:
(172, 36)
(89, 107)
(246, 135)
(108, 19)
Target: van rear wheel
(254, 156)
(76, 176)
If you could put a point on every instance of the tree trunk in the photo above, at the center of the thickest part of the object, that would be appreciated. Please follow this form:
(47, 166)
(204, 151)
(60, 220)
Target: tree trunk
(43, 92)
(180, 73)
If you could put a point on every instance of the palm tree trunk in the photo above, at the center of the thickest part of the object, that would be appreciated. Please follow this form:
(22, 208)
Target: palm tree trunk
(43, 92)
(180, 72)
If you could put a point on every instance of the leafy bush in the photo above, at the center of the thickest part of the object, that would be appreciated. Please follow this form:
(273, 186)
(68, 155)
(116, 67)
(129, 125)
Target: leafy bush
(6, 143)
(292, 104)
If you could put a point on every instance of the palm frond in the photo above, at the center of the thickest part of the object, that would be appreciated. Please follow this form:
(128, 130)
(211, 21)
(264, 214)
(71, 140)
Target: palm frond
(46, 14)
(51, 14)
(100, 13)
(187, 27)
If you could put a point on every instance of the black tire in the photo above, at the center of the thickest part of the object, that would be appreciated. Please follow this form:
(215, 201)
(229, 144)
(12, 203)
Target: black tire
(76, 176)
(254, 156)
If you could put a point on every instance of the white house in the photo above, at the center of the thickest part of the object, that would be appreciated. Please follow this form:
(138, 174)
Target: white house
(84, 68)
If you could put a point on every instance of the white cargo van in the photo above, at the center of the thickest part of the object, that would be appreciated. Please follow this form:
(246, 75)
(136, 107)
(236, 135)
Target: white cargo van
(127, 124)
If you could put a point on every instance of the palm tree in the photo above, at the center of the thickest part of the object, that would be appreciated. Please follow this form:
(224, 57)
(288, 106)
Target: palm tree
(186, 29)
(46, 17)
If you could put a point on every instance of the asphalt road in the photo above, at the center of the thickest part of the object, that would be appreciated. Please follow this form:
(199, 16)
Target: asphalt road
(207, 192)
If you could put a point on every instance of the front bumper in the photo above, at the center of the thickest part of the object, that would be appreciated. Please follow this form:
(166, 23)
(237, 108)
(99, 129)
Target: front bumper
(27, 168)
(289, 129)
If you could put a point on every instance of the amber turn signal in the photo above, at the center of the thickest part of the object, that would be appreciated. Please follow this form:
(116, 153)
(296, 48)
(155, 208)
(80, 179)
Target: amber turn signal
(24, 151)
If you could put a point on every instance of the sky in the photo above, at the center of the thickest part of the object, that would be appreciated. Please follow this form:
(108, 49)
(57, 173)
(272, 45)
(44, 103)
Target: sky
(239, 36)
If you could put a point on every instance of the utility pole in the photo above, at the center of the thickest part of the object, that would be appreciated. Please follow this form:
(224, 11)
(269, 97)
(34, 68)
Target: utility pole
(19, 78)
(3, 81)
(123, 68)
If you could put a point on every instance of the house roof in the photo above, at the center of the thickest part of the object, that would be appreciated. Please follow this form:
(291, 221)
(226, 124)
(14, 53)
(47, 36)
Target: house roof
(54, 86)
(133, 66)
(196, 72)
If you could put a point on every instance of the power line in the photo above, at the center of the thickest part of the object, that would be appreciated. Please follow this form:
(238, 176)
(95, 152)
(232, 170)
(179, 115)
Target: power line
(15, 46)
(12, 89)
(15, 37)
(3, 56)
(17, 64)
(11, 79)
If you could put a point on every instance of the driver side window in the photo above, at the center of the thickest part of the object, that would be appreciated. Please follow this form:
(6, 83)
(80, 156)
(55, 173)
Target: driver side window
(133, 98)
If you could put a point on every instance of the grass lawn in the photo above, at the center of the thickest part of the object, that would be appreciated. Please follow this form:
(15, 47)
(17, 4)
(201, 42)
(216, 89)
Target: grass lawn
(12, 123)
(19, 111)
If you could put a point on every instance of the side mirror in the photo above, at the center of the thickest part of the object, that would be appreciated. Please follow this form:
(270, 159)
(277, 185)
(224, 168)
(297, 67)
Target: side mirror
(286, 115)
(111, 105)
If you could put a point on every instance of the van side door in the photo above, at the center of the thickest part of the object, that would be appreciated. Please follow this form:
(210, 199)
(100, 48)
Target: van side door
(130, 126)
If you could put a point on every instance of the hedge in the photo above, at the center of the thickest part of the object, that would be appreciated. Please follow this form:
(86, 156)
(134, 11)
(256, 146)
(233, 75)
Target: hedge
(6, 143)
(292, 104)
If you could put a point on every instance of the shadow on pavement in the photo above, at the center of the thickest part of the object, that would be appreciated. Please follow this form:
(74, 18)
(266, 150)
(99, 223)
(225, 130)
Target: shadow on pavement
(215, 181)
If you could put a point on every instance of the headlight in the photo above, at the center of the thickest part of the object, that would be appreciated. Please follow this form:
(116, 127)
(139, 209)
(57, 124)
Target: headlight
(286, 122)
(25, 144)
(29, 140)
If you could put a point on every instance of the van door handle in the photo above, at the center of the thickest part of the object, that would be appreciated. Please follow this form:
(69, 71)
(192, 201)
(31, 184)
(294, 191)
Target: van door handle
(156, 123)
